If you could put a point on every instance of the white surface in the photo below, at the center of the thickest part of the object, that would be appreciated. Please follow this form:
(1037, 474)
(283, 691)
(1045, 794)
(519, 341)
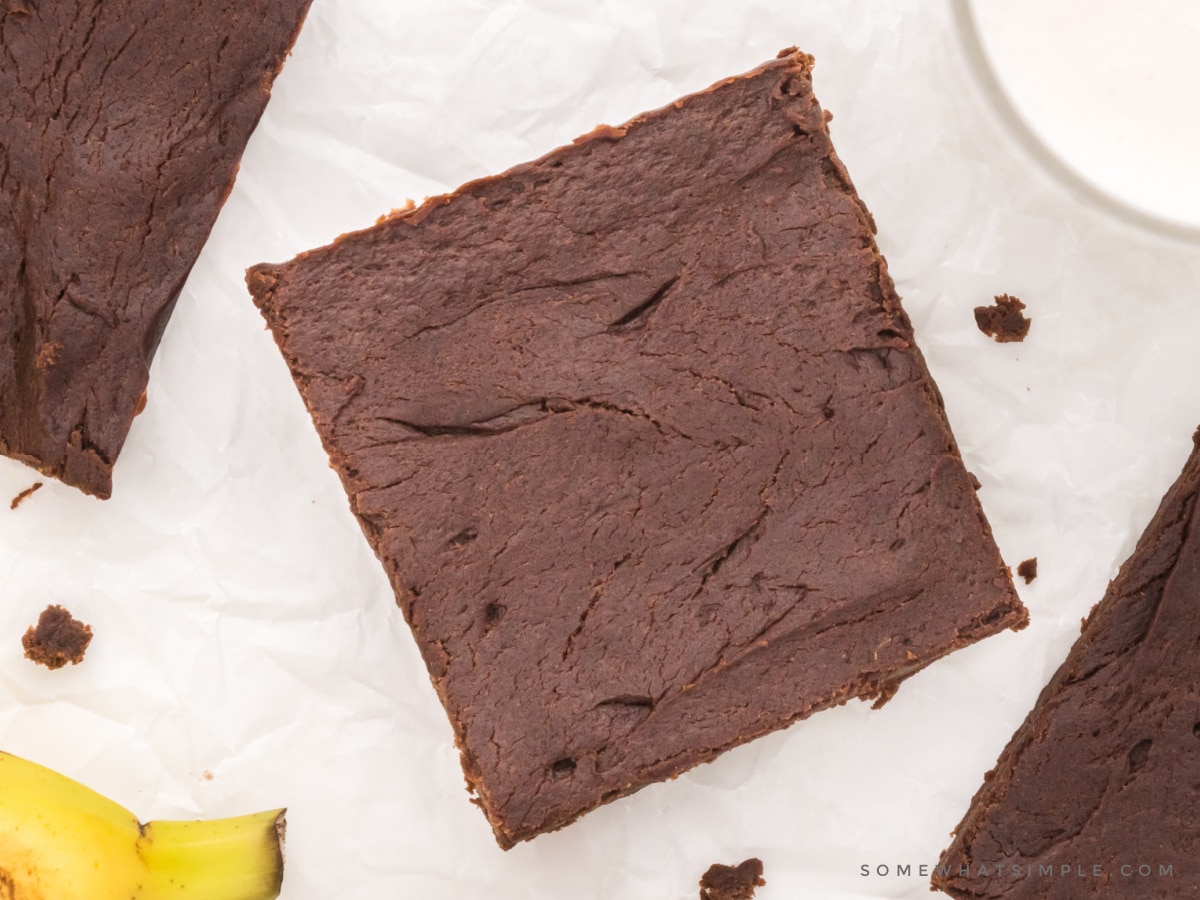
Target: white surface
(244, 628)
(1110, 88)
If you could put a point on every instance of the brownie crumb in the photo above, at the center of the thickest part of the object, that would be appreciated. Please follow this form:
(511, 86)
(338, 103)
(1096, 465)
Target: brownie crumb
(732, 882)
(20, 498)
(1028, 569)
(57, 639)
(1003, 321)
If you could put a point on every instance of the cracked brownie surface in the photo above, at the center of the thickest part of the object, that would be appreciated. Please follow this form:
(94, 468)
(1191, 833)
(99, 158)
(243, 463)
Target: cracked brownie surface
(1105, 772)
(121, 126)
(642, 439)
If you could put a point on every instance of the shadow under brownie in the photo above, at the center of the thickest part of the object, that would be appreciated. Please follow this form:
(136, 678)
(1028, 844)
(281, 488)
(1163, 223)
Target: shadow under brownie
(641, 436)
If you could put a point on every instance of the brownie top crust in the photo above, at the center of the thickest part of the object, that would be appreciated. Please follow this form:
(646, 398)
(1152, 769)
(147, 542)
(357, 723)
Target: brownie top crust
(642, 439)
(1105, 772)
(121, 126)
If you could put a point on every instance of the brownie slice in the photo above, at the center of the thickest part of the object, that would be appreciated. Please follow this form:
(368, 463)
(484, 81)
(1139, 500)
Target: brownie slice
(1105, 772)
(642, 439)
(121, 126)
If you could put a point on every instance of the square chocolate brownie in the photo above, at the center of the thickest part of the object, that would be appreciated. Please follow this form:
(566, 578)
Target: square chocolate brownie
(641, 436)
(121, 127)
(1103, 777)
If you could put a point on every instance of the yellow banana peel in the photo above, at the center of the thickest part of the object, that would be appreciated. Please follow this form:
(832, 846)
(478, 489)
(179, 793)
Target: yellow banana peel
(60, 840)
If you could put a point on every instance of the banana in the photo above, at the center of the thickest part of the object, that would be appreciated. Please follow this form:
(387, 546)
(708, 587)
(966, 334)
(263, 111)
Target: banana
(62, 841)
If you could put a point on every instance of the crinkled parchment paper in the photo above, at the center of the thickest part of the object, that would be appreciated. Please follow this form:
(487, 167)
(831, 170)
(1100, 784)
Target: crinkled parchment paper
(248, 652)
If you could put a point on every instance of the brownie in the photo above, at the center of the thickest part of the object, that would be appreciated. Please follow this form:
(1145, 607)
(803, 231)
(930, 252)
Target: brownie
(1105, 772)
(641, 436)
(1028, 570)
(732, 882)
(121, 126)
(58, 638)
(1004, 320)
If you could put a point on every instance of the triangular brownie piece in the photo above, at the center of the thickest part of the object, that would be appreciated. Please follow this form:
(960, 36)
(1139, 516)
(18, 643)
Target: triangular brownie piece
(1097, 793)
(121, 127)
(641, 436)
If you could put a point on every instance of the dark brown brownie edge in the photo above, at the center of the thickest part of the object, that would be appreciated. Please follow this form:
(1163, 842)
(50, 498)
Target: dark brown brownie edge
(1028, 569)
(1004, 320)
(261, 278)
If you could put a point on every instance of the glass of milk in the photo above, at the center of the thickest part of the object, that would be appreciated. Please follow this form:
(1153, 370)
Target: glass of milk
(1105, 92)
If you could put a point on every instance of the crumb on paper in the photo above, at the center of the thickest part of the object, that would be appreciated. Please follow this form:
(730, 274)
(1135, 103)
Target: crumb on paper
(58, 638)
(1028, 569)
(732, 882)
(208, 776)
(1004, 320)
(20, 498)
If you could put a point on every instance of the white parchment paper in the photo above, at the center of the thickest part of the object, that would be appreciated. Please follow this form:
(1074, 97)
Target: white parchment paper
(248, 652)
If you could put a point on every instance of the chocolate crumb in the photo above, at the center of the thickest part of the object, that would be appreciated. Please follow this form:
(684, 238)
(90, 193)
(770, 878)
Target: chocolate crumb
(1028, 569)
(57, 639)
(20, 498)
(732, 882)
(1003, 321)
(885, 693)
